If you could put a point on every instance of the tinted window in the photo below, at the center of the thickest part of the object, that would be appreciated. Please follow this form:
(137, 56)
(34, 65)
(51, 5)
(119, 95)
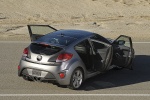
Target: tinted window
(44, 49)
(98, 45)
(127, 41)
(100, 38)
(83, 46)
(41, 29)
(57, 39)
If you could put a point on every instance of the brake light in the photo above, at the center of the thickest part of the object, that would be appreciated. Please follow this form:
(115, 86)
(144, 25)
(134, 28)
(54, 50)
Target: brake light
(18, 67)
(25, 51)
(64, 57)
(43, 44)
(62, 75)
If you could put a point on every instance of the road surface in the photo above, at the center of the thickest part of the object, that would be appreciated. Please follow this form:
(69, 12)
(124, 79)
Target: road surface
(115, 84)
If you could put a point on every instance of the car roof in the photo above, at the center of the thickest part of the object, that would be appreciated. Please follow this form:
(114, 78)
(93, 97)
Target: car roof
(72, 33)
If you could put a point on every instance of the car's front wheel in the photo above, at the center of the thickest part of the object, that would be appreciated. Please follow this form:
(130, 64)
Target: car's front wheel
(76, 79)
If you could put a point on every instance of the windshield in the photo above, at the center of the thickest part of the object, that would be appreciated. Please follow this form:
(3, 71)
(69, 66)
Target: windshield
(57, 39)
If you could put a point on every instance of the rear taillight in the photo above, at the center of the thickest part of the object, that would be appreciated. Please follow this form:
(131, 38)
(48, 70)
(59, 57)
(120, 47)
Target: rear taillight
(18, 67)
(25, 51)
(64, 57)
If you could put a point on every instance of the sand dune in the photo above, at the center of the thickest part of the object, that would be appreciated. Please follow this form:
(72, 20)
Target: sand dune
(66, 10)
(107, 17)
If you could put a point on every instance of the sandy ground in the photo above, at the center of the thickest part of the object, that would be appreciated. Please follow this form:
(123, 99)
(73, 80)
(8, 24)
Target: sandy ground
(109, 18)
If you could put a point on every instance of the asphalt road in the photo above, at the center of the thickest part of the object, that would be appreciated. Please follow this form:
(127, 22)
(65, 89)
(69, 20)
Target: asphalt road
(128, 84)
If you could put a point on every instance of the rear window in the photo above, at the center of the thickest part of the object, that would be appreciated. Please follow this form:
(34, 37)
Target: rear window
(44, 49)
(57, 39)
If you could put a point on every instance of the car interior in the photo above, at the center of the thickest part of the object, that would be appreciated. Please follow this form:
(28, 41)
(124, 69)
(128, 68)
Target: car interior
(93, 62)
(101, 51)
(84, 51)
(121, 53)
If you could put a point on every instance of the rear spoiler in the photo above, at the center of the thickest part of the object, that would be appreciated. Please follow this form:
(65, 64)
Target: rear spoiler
(50, 44)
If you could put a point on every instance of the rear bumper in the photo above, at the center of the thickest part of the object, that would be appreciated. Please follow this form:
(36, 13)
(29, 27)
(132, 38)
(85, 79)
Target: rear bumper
(46, 77)
(48, 72)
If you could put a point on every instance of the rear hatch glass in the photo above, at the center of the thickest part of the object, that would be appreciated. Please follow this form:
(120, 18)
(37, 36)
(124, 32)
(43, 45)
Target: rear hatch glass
(44, 49)
(62, 40)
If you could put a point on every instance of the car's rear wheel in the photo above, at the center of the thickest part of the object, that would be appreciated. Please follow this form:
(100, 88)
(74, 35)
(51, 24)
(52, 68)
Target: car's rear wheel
(27, 78)
(76, 79)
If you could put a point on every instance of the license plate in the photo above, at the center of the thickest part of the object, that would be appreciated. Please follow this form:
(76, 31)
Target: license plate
(36, 73)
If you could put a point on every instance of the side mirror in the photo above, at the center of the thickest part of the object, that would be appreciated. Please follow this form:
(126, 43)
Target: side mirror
(121, 42)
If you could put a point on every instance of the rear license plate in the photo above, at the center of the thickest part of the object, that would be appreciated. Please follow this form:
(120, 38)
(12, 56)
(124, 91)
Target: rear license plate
(36, 73)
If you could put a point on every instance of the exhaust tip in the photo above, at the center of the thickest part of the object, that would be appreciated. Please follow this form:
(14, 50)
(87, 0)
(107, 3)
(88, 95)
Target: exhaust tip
(38, 79)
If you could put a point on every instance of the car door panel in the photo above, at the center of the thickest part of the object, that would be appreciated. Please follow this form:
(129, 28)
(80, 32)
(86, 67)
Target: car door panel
(123, 53)
(102, 52)
(102, 55)
(121, 57)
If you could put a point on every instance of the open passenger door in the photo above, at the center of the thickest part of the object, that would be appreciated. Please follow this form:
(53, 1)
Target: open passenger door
(37, 31)
(123, 52)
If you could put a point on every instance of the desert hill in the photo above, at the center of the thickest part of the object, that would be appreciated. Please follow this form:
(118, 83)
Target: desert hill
(107, 17)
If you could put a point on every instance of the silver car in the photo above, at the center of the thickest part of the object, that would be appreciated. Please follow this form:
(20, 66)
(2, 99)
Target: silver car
(69, 57)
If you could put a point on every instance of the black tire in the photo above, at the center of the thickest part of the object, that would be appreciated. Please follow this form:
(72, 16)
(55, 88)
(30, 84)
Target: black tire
(72, 80)
(27, 78)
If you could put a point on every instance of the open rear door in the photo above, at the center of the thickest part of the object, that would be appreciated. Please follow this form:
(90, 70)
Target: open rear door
(102, 56)
(37, 31)
(123, 52)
